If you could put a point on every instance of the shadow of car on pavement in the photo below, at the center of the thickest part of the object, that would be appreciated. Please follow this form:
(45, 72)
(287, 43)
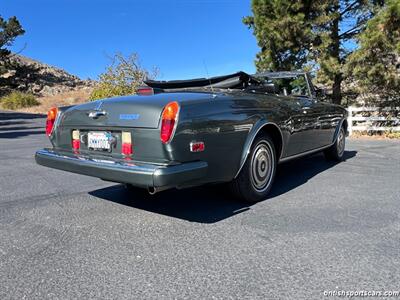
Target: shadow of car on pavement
(18, 134)
(15, 125)
(9, 115)
(210, 204)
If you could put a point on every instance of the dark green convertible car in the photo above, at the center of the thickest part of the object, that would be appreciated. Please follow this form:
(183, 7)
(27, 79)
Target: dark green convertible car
(231, 129)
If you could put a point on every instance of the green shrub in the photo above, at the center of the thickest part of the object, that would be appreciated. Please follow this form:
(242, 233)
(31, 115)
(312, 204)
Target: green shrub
(122, 77)
(17, 100)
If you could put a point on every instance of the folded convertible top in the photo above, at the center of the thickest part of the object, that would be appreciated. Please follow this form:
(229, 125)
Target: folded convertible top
(232, 81)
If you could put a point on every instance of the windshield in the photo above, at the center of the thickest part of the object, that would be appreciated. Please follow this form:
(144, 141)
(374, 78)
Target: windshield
(289, 86)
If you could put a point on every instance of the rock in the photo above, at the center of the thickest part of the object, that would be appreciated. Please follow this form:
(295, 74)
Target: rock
(8, 74)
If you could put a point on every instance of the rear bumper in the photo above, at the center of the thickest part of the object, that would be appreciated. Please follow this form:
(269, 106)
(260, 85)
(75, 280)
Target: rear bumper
(138, 174)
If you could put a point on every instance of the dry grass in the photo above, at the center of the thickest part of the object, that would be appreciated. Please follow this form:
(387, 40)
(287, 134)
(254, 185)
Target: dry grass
(62, 99)
(376, 136)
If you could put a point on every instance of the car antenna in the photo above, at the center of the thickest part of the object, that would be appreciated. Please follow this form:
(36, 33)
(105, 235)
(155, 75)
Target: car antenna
(208, 76)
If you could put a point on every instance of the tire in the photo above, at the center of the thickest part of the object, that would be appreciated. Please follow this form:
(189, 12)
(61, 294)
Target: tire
(255, 179)
(336, 151)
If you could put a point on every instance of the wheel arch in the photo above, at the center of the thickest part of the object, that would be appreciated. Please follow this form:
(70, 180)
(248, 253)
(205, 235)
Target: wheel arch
(345, 125)
(342, 123)
(262, 127)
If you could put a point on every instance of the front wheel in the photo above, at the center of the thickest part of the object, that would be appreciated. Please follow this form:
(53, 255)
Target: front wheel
(257, 175)
(336, 151)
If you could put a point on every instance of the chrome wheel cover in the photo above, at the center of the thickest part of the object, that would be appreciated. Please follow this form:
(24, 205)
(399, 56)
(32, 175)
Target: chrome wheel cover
(262, 166)
(340, 144)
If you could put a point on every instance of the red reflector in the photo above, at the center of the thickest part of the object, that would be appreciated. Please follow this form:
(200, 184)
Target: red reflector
(127, 149)
(76, 144)
(197, 146)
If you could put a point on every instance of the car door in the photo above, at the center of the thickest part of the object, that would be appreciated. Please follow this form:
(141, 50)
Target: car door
(309, 115)
(323, 117)
(309, 123)
(326, 122)
(300, 125)
(319, 123)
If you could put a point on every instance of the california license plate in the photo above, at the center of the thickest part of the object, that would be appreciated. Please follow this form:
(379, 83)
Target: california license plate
(99, 140)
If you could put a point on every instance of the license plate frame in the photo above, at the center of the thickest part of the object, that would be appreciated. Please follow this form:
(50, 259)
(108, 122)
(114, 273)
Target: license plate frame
(99, 140)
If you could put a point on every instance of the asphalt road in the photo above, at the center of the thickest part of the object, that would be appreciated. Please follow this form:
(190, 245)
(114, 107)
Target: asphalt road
(326, 227)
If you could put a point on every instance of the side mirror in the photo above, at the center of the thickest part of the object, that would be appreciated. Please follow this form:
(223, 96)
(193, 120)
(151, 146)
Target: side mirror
(320, 92)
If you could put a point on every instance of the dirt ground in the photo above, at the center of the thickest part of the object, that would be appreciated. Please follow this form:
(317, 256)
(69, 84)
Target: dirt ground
(64, 99)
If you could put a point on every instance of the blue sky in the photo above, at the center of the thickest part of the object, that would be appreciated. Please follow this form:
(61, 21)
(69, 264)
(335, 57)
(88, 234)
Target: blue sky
(180, 37)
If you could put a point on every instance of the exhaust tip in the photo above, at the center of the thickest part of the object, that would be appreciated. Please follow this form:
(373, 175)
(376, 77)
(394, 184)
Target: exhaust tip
(152, 190)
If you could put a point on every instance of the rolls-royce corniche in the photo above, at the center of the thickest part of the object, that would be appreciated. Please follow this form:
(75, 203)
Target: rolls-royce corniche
(232, 129)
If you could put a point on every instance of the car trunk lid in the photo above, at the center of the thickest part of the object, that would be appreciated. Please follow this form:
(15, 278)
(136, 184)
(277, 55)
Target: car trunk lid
(100, 126)
(130, 111)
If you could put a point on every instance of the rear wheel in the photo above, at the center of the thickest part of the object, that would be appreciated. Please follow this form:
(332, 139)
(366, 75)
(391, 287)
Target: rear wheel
(257, 175)
(336, 151)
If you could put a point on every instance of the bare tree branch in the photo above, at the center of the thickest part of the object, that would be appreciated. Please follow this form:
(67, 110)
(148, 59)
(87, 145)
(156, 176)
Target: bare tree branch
(352, 31)
(349, 7)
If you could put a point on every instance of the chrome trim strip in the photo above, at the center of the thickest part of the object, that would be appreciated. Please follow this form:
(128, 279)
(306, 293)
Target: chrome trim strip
(288, 158)
(285, 159)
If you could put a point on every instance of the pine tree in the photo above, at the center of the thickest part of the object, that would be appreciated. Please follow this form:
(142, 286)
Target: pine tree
(283, 33)
(307, 34)
(9, 30)
(375, 65)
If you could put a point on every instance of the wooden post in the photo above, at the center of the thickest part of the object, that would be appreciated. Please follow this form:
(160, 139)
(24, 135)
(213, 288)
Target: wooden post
(350, 120)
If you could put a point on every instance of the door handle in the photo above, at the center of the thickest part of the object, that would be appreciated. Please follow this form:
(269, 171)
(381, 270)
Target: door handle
(96, 114)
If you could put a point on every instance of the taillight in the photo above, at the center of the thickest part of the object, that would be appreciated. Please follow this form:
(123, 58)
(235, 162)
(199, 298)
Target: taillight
(51, 118)
(126, 143)
(76, 141)
(168, 121)
(145, 91)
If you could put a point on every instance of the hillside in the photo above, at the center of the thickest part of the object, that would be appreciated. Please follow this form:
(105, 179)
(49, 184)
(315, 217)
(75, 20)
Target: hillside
(51, 85)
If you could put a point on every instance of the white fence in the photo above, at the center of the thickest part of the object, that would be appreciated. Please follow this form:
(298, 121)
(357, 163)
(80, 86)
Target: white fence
(372, 122)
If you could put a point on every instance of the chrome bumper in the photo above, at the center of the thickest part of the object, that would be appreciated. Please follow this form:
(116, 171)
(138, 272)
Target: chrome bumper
(136, 173)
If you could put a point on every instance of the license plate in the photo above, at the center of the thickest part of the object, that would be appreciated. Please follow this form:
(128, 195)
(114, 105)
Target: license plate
(99, 140)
